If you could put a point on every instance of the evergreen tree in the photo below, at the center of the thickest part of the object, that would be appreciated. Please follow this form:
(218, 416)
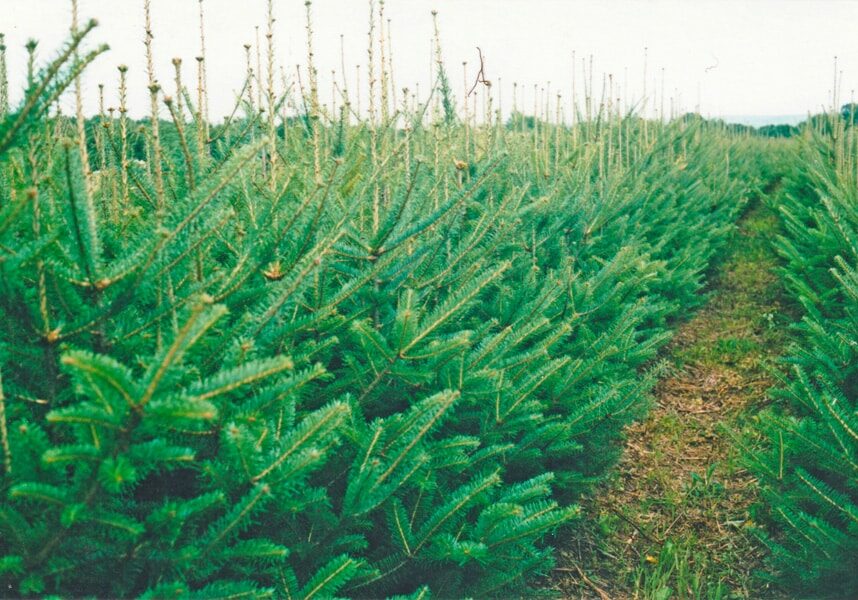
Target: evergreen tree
(365, 375)
(809, 468)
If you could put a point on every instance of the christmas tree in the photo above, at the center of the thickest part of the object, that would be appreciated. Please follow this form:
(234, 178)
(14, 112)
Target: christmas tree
(305, 355)
(808, 468)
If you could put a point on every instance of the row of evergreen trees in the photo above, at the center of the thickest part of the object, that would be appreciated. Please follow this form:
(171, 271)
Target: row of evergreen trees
(809, 470)
(328, 357)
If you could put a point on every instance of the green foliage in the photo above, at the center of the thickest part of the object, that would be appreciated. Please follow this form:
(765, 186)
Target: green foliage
(677, 572)
(809, 468)
(387, 379)
(778, 131)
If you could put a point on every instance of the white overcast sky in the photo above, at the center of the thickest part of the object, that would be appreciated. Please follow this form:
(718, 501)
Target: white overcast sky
(773, 57)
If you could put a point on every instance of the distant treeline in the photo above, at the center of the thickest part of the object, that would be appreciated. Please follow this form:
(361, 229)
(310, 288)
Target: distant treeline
(821, 122)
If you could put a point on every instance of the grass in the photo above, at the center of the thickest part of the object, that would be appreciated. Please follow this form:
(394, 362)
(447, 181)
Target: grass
(673, 521)
(679, 571)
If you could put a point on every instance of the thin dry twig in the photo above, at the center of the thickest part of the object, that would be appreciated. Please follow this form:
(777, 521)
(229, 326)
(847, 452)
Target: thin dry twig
(602, 593)
(481, 75)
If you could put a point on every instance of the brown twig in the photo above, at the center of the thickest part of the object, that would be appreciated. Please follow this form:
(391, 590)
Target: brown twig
(481, 75)
(635, 525)
(603, 595)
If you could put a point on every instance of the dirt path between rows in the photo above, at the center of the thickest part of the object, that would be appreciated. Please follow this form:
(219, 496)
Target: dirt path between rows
(673, 522)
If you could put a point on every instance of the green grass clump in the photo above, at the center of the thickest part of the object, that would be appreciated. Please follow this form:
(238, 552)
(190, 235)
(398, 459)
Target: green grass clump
(677, 572)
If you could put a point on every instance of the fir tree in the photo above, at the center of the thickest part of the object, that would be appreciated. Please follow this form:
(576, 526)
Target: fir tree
(351, 376)
(809, 468)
